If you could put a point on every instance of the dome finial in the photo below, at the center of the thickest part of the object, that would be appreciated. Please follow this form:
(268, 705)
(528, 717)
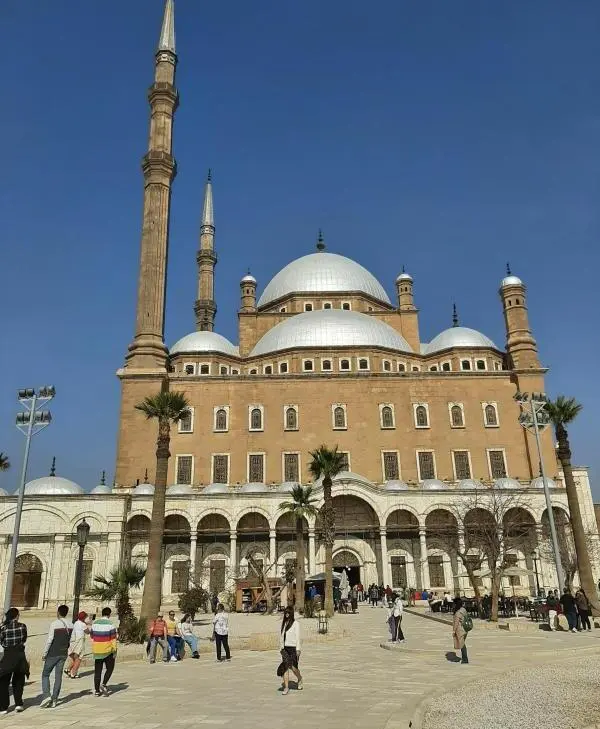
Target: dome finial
(454, 316)
(508, 271)
(209, 175)
(145, 476)
(53, 466)
(403, 268)
(320, 241)
(103, 478)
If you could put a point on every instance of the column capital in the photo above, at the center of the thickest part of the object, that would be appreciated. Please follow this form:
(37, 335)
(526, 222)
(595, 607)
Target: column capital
(383, 531)
(233, 534)
(193, 537)
(422, 532)
(272, 534)
(311, 532)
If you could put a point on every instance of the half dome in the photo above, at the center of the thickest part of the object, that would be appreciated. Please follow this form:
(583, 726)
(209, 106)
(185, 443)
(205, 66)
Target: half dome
(287, 486)
(330, 328)
(143, 489)
(179, 489)
(507, 483)
(470, 483)
(458, 337)
(322, 273)
(101, 488)
(204, 342)
(538, 483)
(395, 486)
(216, 488)
(52, 486)
(254, 488)
(433, 484)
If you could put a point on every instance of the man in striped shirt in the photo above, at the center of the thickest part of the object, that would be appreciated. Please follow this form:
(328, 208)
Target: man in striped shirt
(104, 650)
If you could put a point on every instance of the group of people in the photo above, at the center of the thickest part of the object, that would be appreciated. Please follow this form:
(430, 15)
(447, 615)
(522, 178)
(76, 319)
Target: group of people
(576, 609)
(65, 640)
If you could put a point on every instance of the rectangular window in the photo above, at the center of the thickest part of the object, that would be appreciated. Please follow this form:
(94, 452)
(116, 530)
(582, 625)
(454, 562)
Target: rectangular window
(345, 461)
(216, 580)
(497, 464)
(186, 422)
(87, 567)
(436, 572)
(256, 468)
(391, 467)
(426, 465)
(220, 469)
(291, 467)
(180, 576)
(462, 467)
(398, 572)
(184, 469)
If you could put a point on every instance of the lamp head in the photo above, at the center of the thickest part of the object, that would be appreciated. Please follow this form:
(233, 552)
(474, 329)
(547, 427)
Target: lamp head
(83, 531)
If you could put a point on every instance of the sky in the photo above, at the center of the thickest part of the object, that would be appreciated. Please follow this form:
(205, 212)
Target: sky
(445, 137)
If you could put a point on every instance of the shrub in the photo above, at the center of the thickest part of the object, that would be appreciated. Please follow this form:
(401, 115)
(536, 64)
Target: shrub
(193, 599)
(133, 630)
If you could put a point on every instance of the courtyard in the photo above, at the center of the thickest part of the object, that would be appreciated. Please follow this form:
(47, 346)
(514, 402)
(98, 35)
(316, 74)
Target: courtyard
(520, 679)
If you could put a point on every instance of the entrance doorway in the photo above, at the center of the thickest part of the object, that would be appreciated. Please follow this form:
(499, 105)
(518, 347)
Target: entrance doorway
(27, 581)
(348, 561)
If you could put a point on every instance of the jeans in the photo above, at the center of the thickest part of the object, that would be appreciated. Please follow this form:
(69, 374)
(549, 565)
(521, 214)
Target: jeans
(55, 663)
(584, 617)
(571, 620)
(173, 641)
(222, 640)
(464, 658)
(192, 641)
(154, 641)
(109, 663)
(18, 682)
(398, 634)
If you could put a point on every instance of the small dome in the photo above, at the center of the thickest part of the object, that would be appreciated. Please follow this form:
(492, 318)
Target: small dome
(179, 489)
(287, 486)
(101, 488)
(511, 281)
(204, 342)
(470, 483)
(254, 488)
(248, 278)
(143, 489)
(330, 328)
(507, 483)
(322, 273)
(404, 277)
(351, 476)
(216, 488)
(52, 486)
(3, 492)
(433, 484)
(395, 486)
(538, 483)
(458, 337)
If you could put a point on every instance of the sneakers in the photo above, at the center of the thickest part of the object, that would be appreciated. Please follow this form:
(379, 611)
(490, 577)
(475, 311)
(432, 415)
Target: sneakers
(104, 690)
(19, 708)
(574, 630)
(52, 704)
(285, 692)
(195, 655)
(3, 713)
(45, 701)
(173, 659)
(300, 686)
(97, 693)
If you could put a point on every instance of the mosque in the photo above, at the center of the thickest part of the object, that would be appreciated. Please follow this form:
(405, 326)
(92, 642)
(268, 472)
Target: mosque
(323, 356)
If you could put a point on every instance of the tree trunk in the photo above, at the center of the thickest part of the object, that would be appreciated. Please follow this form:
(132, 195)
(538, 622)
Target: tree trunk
(472, 578)
(300, 565)
(328, 520)
(154, 571)
(586, 578)
(496, 579)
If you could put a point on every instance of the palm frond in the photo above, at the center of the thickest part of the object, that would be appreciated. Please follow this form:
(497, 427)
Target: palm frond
(170, 406)
(563, 410)
(4, 462)
(326, 462)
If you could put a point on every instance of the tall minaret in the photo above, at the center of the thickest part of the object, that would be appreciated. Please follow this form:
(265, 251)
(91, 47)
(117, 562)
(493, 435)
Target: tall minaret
(148, 351)
(520, 344)
(205, 307)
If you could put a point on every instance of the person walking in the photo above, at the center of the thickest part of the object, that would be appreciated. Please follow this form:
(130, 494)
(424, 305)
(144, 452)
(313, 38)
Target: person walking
(77, 647)
(221, 632)
(459, 632)
(14, 667)
(158, 636)
(396, 612)
(291, 646)
(55, 654)
(186, 630)
(569, 607)
(583, 608)
(552, 604)
(104, 650)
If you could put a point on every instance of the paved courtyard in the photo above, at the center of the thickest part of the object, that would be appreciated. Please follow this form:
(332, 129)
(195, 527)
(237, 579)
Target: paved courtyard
(348, 684)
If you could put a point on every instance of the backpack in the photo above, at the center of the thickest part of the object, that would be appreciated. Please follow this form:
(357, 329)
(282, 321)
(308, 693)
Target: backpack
(467, 623)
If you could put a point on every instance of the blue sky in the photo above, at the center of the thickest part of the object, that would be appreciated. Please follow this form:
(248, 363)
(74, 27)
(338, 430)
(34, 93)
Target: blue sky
(448, 137)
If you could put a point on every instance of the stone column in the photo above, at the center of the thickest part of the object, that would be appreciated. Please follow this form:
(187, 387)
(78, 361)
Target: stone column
(423, 556)
(385, 565)
(54, 581)
(273, 553)
(459, 564)
(233, 552)
(312, 555)
(193, 545)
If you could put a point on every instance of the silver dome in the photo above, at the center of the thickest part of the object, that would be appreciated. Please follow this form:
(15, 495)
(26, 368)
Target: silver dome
(330, 328)
(507, 483)
(179, 489)
(254, 488)
(143, 489)
(404, 277)
(433, 484)
(101, 488)
(458, 337)
(538, 483)
(511, 281)
(248, 278)
(395, 486)
(52, 486)
(287, 486)
(322, 273)
(470, 483)
(205, 342)
(216, 488)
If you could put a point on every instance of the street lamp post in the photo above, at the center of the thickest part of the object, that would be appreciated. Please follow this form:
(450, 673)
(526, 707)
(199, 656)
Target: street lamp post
(535, 569)
(29, 422)
(83, 531)
(533, 418)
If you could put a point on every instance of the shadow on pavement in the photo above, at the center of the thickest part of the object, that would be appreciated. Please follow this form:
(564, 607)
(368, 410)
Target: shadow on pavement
(452, 657)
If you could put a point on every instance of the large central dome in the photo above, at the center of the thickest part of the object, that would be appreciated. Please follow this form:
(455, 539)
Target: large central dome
(322, 273)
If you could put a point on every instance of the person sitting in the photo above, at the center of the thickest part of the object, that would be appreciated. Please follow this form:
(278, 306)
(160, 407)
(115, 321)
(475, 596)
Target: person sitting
(158, 636)
(173, 637)
(186, 630)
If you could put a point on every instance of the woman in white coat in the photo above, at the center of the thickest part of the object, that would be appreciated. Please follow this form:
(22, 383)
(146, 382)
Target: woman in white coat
(290, 645)
(396, 612)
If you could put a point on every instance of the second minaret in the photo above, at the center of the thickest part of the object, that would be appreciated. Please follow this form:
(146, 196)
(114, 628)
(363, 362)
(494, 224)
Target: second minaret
(205, 307)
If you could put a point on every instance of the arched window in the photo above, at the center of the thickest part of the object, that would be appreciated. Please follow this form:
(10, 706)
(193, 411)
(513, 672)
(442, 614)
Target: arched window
(446, 367)
(291, 419)
(421, 416)
(339, 417)
(326, 365)
(387, 417)
(308, 307)
(480, 364)
(465, 365)
(186, 423)
(345, 364)
(221, 419)
(363, 364)
(456, 415)
(387, 365)
(283, 367)
(401, 367)
(256, 419)
(268, 370)
(491, 416)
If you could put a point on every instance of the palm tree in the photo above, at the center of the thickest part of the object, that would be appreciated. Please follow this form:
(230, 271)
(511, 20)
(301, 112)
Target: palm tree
(116, 587)
(166, 407)
(563, 411)
(300, 507)
(327, 464)
(4, 462)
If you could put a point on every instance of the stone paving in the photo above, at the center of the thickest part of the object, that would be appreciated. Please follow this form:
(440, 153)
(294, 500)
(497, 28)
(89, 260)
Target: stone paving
(350, 683)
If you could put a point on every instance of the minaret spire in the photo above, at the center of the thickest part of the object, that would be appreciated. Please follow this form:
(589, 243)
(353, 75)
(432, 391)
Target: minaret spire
(148, 350)
(454, 316)
(320, 241)
(205, 307)
(53, 467)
